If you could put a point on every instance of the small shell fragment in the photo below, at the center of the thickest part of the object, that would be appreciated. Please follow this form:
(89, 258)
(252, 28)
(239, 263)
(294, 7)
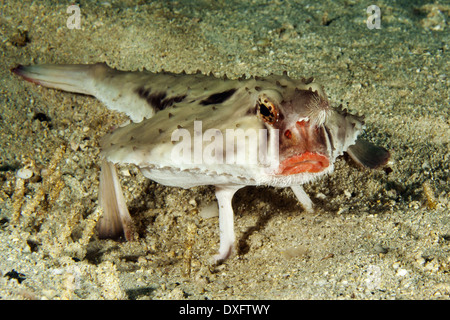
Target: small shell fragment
(24, 173)
(210, 210)
(293, 252)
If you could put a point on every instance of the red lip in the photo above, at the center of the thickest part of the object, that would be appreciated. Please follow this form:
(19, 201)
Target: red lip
(306, 162)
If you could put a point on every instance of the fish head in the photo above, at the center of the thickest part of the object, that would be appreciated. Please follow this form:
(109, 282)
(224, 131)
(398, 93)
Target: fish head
(311, 133)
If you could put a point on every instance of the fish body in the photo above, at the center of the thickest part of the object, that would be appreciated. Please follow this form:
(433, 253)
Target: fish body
(190, 129)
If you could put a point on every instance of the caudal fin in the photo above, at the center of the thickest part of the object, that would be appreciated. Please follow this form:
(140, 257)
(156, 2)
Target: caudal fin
(76, 78)
(118, 90)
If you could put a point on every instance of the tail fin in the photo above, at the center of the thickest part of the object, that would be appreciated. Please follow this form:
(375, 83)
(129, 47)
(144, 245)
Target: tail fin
(118, 90)
(76, 78)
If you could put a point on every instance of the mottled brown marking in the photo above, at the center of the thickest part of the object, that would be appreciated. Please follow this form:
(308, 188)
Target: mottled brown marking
(158, 100)
(218, 98)
(143, 92)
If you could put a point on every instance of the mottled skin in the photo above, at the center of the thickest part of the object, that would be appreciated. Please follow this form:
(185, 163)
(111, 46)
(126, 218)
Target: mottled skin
(303, 130)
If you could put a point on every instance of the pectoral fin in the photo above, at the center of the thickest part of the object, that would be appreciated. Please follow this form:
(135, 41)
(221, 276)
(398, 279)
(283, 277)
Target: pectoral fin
(367, 154)
(116, 220)
(303, 198)
(224, 195)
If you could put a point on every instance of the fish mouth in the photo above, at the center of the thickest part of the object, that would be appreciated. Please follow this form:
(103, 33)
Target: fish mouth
(306, 162)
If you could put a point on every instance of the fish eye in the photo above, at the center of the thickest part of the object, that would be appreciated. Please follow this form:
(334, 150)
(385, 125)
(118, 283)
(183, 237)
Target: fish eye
(267, 111)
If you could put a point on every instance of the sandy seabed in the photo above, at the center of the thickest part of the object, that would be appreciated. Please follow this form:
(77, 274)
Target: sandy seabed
(381, 234)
